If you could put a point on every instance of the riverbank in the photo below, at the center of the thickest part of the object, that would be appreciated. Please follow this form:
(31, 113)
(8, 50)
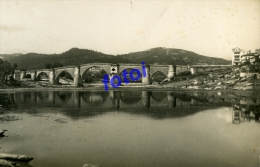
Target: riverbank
(201, 82)
(124, 87)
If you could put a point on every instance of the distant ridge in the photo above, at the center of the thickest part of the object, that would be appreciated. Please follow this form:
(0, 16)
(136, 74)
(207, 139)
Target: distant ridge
(76, 56)
(173, 56)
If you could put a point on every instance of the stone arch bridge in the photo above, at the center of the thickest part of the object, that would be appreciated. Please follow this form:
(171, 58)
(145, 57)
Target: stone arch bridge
(113, 69)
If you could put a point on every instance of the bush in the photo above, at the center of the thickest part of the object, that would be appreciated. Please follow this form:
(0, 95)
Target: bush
(243, 69)
(184, 73)
(14, 83)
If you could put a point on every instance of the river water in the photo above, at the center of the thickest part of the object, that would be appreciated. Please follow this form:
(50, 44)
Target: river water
(132, 128)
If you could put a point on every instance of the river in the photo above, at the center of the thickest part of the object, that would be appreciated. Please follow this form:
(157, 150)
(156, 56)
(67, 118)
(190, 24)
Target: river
(132, 128)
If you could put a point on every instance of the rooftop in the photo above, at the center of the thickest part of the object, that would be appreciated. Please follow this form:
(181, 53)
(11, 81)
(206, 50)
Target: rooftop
(250, 54)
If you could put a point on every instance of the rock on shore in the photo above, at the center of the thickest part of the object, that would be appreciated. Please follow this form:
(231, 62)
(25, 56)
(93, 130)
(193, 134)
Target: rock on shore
(15, 157)
(6, 163)
(90, 165)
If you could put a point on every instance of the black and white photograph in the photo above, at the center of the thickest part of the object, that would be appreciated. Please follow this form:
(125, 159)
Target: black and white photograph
(137, 83)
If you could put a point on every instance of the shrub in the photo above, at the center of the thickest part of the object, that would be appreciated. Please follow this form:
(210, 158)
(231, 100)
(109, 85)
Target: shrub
(184, 73)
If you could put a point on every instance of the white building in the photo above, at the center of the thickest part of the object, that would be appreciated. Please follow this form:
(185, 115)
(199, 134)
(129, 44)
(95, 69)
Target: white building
(249, 57)
(236, 57)
(242, 56)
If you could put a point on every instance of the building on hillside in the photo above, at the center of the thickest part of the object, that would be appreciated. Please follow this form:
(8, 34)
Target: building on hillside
(242, 56)
(249, 57)
(236, 56)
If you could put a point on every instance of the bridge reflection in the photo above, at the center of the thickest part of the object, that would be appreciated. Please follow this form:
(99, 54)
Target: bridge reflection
(168, 104)
(245, 111)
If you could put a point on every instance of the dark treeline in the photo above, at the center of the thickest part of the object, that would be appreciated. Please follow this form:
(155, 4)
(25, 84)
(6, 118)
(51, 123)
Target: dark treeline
(6, 71)
(76, 56)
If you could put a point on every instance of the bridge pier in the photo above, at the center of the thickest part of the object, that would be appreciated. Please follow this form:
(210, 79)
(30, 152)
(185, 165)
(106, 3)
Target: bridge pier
(77, 99)
(33, 97)
(52, 77)
(171, 100)
(193, 70)
(22, 74)
(51, 97)
(17, 75)
(77, 77)
(146, 98)
(33, 75)
(147, 79)
(171, 72)
(116, 98)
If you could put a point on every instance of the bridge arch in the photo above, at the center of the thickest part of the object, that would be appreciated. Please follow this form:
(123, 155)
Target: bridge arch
(131, 97)
(104, 66)
(158, 76)
(28, 76)
(135, 75)
(42, 95)
(130, 66)
(95, 98)
(64, 73)
(159, 96)
(38, 76)
(97, 73)
(63, 96)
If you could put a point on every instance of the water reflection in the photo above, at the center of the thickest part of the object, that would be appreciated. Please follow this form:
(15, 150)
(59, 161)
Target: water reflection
(127, 128)
(95, 98)
(154, 104)
(7, 101)
(245, 112)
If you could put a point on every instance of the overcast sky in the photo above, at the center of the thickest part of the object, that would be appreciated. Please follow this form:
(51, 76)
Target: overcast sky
(207, 27)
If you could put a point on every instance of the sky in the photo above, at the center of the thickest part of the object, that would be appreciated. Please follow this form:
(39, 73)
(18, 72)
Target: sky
(207, 27)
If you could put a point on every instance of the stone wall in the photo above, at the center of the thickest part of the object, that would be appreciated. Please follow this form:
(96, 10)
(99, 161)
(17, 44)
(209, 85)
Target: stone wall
(180, 69)
(202, 69)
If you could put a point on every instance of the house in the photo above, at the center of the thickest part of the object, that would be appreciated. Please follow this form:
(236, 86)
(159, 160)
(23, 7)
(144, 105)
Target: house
(242, 56)
(249, 57)
(236, 56)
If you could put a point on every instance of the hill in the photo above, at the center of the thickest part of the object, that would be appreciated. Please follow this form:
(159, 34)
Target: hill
(73, 56)
(172, 56)
(76, 56)
(9, 57)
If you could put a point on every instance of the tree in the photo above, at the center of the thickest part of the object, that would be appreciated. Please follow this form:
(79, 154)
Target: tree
(6, 70)
(48, 65)
(12, 70)
(53, 65)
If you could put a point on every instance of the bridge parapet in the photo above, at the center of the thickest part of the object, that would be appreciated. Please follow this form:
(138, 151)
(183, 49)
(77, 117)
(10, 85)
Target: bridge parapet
(44, 69)
(66, 67)
(96, 64)
(207, 68)
(210, 66)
